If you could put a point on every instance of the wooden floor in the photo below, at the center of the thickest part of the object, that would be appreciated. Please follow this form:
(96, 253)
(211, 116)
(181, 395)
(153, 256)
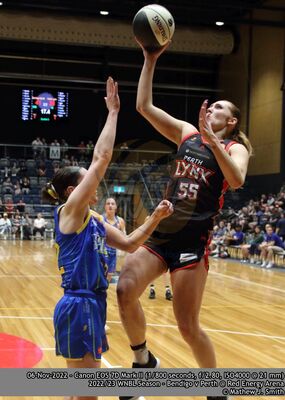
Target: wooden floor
(243, 312)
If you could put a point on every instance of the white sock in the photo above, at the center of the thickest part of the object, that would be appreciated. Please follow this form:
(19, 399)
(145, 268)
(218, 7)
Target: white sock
(140, 353)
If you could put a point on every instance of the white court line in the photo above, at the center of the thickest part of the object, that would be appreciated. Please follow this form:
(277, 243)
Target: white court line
(163, 326)
(210, 272)
(247, 282)
(219, 274)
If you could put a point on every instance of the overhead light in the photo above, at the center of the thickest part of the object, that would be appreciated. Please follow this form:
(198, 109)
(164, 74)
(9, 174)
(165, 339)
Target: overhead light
(104, 12)
(1, 4)
(220, 23)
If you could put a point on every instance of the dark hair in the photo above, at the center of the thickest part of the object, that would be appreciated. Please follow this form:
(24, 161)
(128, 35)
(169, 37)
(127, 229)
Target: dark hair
(55, 191)
(236, 134)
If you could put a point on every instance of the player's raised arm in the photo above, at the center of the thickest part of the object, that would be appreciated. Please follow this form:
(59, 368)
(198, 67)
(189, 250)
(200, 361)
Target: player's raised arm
(170, 127)
(102, 154)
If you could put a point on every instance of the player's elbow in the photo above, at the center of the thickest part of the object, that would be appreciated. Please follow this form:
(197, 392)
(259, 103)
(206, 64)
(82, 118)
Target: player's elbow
(142, 108)
(237, 183)
(102, 156)
(130, 246)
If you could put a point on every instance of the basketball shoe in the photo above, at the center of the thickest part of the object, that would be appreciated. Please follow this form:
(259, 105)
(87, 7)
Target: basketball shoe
(153, 362)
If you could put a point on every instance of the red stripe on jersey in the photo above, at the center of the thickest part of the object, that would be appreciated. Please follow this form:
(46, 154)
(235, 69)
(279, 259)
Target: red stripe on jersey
(224, 189)
(229, 145)
(155, 253)
(225, 183)
(188, 136)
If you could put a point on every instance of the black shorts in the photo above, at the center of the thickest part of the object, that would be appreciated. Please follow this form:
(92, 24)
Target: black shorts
(179, 253)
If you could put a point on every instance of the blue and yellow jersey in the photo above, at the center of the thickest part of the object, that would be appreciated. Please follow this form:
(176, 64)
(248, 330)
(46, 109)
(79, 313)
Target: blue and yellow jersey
(82, 255)
(111, 251)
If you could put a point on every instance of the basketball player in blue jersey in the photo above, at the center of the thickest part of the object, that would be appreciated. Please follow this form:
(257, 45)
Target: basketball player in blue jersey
(207, 162)
(80, 315)
(111, 218)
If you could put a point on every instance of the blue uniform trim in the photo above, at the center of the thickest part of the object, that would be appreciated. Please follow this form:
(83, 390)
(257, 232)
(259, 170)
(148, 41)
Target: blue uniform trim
(80, 315)
(112, 253)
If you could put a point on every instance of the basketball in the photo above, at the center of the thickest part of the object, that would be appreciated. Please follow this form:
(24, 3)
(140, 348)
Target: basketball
(153, 26)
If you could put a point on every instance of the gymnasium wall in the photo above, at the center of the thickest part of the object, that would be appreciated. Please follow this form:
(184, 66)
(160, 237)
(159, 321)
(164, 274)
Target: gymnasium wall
(234, 73)
(252, 77)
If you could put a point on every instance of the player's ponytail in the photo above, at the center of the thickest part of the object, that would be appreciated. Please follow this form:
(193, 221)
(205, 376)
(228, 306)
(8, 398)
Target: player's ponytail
(236, 134)
(55, 191)
(49, 194)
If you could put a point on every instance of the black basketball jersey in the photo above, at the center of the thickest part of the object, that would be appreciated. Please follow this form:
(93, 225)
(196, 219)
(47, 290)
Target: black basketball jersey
(195, 188)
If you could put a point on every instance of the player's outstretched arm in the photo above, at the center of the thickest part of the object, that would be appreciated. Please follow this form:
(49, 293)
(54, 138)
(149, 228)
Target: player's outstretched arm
(131, 242)
(170, 127)
(102, 154)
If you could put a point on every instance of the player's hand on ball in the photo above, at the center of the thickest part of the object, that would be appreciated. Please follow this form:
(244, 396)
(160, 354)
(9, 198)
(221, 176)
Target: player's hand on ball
(164, 209)
(154, 53)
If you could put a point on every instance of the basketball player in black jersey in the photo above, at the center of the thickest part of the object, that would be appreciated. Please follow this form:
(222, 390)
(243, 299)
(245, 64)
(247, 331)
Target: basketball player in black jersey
(208, 161)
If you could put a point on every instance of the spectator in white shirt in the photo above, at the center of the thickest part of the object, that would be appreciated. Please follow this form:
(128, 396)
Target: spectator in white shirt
(5, 226)
(39, 225)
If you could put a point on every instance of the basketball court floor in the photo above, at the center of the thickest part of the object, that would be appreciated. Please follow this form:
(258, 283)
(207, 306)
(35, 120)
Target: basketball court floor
(243, 312)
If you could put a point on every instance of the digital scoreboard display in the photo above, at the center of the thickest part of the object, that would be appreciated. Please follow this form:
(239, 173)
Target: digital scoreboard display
(44, 105)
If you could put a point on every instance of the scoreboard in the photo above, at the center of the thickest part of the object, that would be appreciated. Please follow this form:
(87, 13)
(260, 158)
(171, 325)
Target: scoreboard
(44, 105)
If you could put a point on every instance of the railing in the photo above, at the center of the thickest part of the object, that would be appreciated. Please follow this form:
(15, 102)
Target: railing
(57, 152)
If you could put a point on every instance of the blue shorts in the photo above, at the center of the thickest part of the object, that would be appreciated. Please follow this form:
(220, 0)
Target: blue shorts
(79, 323)
(111, 259)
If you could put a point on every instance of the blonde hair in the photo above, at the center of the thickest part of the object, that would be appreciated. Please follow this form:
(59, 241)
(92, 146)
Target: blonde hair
(236, 134)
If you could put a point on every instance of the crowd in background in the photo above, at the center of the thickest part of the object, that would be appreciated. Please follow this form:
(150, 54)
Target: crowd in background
(258, 228)
(40, 148)
(22, 226)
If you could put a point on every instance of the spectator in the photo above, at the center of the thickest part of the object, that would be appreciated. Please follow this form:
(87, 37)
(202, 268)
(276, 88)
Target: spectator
(81, 150)
(281, 200)
(20, 206)
(14, 170)
(41, 170)
(39, 225)
(55, 142)
(7, 186)
(63, 147)
(236, 237)
(219, 233)
(275, 215)
(1, 207)
(73, 161)
(272, 244)
(16, 225)
(9, 207)
(5, 226)
(17, 188)
(252, 247)
(44, 149)
(37, 146)
(25, 185)
(66, 161)
(56, 166)
(280, 227)
(270, 199)
(27, 224)
(265, 217)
